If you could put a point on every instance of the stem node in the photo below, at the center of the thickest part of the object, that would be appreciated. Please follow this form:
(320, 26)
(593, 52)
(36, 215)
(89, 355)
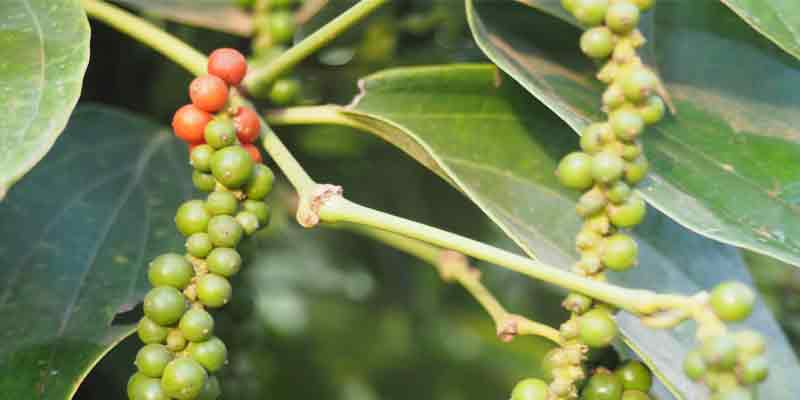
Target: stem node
(308, 209)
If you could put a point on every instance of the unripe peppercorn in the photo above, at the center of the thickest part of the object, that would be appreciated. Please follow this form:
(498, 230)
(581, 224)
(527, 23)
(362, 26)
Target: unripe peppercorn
(260, 209)
(652, 110)
(260, 184)
(628, 214)
(603, 385)
(750, 343)
(635, 395)
(282, 26)
(200, 157)
(284, 91)
(618, 192)
(622, 17)
(232, 166)
(590, 12)
(151, 332)
(754, 370)
(213, 290)
(211, 354)
(636, 170)
(222, 203)
(597, 42)
(719, 351)
(203, 182)
(152, 359)
(577, 303)
(248, 221)
(639, 83)
(627, 123)
(176, 341)
(208, 93)
(613, 97)
(192, 217)
(597, 328)
(619, 252)
(228, 64)
(199, 245)
(220, 132)
(592, 137)
(184, 379)
(224, 231)
(248, 126)
(607, 167)
(732, 301)
(591, 202)
(575, 171)
(224, 261)
(164, 305)
(530, 389)
(145, 388)
(635, 376)
(170, 269)
(189, 123)
(694, 366)
(196, 325)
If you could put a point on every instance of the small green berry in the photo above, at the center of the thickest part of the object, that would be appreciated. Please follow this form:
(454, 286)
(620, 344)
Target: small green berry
(607, 167)
(224, 261)
(618, 192)
(639, 83)
(568, 5)
(203, 182)
(152, 359)
(577, 303)
(622, 17)
(170, 269)
(575, 171)
(720, 351)
(164, 305)
(282, 26)
(141, 387)
(151, 332)
(222, 203)
(176, 341)
(587, 239)
(591, 202)
(631, 152)
(219, 133)
(603, 385)
(636, 170)
(232, 166)
(619, 252)
(196, 325)
(530, 389)
(694, 366)
(260, 209)
(750, 343)
(652, 110)
(754, 370)
(634, 395)
(597, 328)
(260, 184)
(213, 290)
(224, 231)
(644, 5)
(553, 360)
(211, 353)
(211, 391)
(590, 12)
(248, 221)
(597, 42)
(199, 245)
(628, 214)
(626, 123)
(732, 301)
(592, 137)
(192, 217)
(200, 157)
(635, 376)
(184, 379)
(284, 91)
(613, 97)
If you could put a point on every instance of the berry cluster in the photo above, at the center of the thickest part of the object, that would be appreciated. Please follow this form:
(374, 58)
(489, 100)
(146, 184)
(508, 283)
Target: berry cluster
(181, 351)
(630, 381)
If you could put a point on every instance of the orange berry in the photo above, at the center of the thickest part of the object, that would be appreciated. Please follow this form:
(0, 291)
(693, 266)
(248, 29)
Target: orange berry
(253, 150)
(247, 125)
(189, 123)
(228, 64)
(208, 93)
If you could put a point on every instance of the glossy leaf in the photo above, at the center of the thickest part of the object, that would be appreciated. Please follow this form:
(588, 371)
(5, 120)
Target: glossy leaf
(77, 234)
(44, 51)
(482, 133)
(220, 15)
(724, 165)
(778, 20)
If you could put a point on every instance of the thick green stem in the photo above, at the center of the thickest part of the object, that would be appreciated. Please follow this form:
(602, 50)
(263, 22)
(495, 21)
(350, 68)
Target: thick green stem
(147, 33)
(338, 209)
(267, 74)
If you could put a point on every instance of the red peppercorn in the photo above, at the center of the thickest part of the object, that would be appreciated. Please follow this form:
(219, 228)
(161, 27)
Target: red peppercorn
(254, 152)
(208, 93)
(189, 123)
(248, 127)
(228, 64)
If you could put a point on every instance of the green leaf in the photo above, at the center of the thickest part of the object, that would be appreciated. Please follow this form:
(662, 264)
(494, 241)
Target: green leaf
(44, 51)
(778, 20)
(486, 136)
(75, 240)
(725, 164)
(220, 15)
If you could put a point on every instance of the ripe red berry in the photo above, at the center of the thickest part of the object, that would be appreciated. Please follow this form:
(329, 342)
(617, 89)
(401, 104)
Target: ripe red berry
(208, 93)
(253, 150)
(227, 64)
(247, 125)
(189, 123)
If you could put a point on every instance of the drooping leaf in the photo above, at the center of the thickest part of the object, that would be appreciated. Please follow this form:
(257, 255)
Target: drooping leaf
(77, 234)
(220, 15)
(485, 135)
(776, 19)
(44, 51)
(723, 166)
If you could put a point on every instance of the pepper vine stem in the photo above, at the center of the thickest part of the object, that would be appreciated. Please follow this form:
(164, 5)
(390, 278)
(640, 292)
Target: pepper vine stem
(324, 35)
(454, 266)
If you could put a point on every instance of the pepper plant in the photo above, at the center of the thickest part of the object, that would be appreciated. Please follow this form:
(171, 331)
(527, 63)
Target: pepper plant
(682, 170)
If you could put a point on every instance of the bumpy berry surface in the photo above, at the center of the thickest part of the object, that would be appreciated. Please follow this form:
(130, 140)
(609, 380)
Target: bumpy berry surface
(184, 379)
(189, 123)
(607, 167)
(639, 83)
(220, 132)
(228, 64)
(627, 123)
(224, 231)
(248, 221)
(208, 93)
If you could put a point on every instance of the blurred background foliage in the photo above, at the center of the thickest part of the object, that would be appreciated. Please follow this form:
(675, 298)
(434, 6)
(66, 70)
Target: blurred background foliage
(328, 314)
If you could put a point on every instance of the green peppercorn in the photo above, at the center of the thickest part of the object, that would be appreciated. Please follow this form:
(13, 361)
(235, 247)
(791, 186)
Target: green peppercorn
(152, 359)
(213, 290)
(219, 133)
(248, 221)
(592, 137)
(184, 379)
(575, 171)
(720, 351)
(754, 370)
(750, 343)
(638, 84)
(597, 328)
(694, 366)
(628, 214)
(203, 182)
(211, 391)
(284, 91)
(644, 5)
(619, 252)
(631, 152)
(732, 301)
(634, 395)
(618, 192)
(613, 97)
(151, 332)
(200, 157)
(176, 341)
(259, 208)
(170, 269)
(590, 12)
(211, 353)
(587, 239)
(282, 26)
(635, 376)
(626, 123)
(192, 217)
(224, 261)
(622, 17)
(603, 385)
(597, 42)
(232, 166)
(141, 387)
(636, 170)
(222, 203)
(199, 245)
(164, 305)
(260, 184)
(530, 389)
(652, 110)
(607, 167)
(196, 325)
(577, 303)
(224, 231)
(591, 202)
